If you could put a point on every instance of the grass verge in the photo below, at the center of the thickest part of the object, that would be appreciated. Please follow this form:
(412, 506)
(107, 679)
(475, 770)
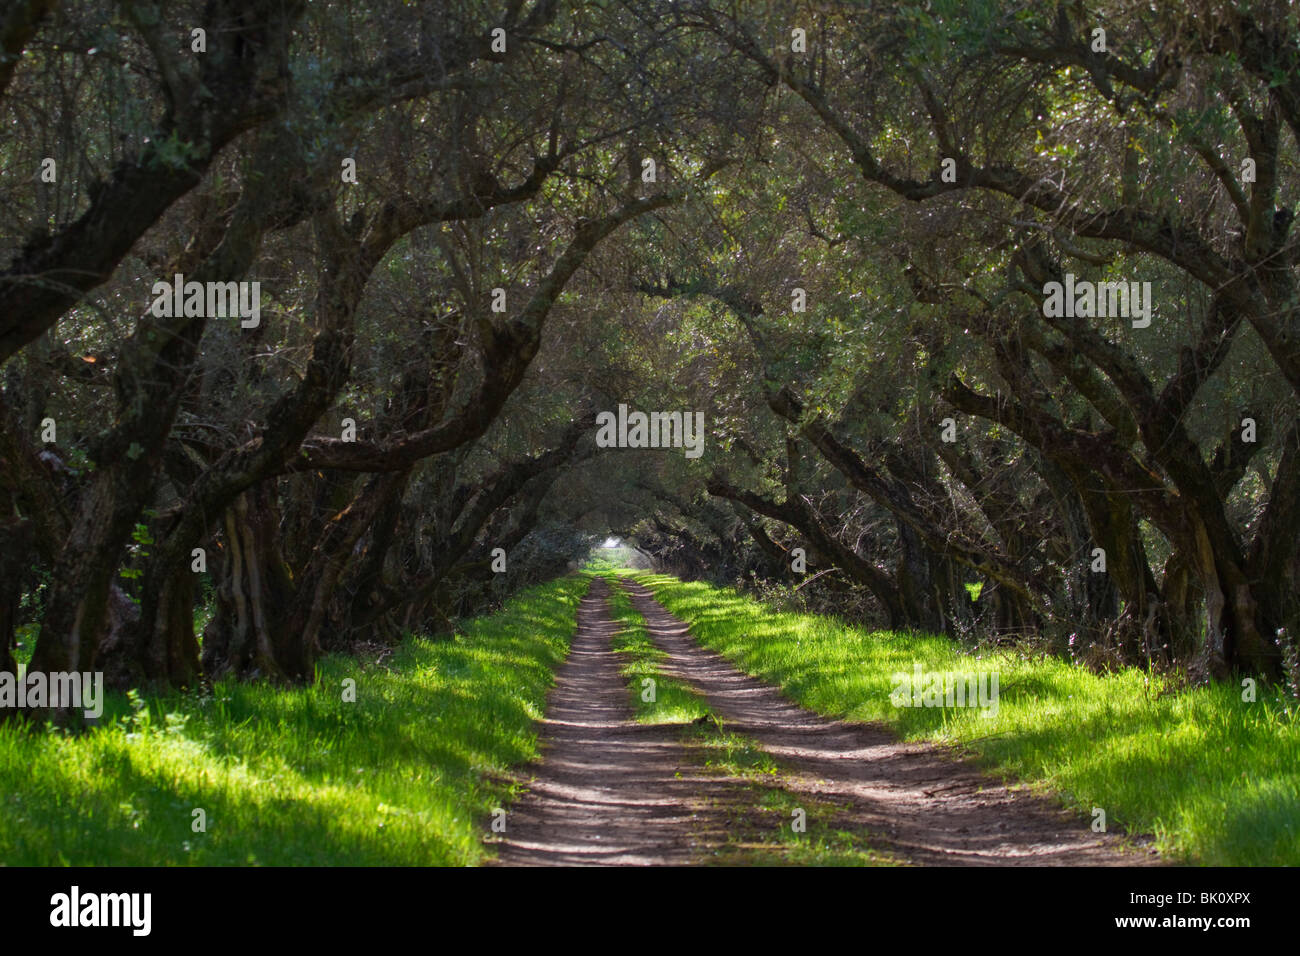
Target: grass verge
(1216, 779)
(404, 775)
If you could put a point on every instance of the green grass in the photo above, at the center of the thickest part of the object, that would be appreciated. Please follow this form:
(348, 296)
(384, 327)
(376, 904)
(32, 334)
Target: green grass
(1216, 779)
(408, 774)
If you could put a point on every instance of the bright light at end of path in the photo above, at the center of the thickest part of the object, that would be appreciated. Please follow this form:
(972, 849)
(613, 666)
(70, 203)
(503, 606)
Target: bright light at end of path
(612, 543)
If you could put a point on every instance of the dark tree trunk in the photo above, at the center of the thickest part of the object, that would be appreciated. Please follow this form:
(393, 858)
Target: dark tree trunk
(917, 589)
(163, 651)
(254, 587)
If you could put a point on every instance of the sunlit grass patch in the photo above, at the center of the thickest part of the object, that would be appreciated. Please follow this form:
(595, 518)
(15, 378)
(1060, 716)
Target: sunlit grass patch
(406, 774)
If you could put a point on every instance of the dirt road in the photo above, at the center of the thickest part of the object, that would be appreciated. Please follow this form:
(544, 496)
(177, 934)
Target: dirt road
(612, 791)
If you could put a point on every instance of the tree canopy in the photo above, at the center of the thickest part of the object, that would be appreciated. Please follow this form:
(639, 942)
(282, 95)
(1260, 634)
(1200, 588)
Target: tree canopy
(991, 312)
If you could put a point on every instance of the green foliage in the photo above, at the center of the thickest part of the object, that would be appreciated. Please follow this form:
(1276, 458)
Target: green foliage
(174, 152)
(140, 542)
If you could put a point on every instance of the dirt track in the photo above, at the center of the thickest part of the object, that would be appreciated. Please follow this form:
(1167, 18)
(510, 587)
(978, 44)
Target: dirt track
(611, 791)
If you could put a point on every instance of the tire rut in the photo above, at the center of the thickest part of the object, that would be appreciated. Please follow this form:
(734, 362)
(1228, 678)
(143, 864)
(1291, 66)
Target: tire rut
(609, 790)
